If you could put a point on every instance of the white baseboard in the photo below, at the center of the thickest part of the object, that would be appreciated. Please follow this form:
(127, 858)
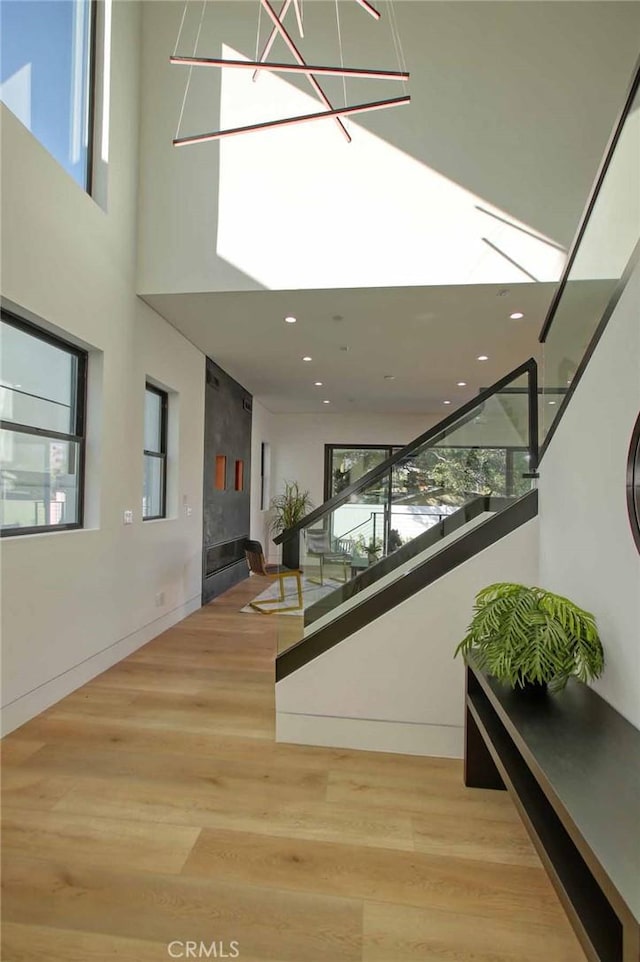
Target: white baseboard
(445, 741)
(32, 703)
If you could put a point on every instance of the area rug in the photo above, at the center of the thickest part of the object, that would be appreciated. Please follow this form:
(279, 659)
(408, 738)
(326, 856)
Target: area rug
(311, 592)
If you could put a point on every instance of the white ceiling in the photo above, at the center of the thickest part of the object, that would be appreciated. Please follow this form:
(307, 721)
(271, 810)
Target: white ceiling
(510, 116)
(428, 337)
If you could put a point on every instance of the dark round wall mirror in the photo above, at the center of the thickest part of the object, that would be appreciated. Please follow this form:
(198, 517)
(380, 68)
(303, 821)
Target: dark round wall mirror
(633, 483)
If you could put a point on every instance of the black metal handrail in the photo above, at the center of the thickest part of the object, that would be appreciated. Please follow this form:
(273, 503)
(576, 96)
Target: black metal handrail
(530, 368)
(406, 552)
(591, 202)
(461, 549)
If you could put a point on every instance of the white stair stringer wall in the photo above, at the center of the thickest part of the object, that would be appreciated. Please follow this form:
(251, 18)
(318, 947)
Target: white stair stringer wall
(394, 686)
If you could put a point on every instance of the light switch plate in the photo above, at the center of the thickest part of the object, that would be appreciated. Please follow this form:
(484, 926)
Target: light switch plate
(128, 517)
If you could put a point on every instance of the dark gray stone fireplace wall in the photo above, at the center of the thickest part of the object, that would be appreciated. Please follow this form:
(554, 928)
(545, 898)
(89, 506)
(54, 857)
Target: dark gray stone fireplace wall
(227, 433)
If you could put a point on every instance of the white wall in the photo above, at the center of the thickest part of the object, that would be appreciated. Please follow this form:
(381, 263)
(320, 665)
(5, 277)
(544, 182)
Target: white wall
(586, 549)
(300, 440)
(75, 603)
(394, 685)
(512, 104)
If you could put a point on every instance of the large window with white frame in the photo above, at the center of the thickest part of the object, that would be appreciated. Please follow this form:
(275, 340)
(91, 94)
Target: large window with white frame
(42, 430)
(154, 494)
(47, 64)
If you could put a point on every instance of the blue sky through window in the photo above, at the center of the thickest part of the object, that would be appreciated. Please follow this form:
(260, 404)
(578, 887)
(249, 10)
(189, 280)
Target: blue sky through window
(44, 74)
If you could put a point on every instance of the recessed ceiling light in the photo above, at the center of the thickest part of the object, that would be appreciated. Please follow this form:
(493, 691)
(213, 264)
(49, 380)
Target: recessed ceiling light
(483, 357)
(462, 383)
(552, 402)
(307, 358)
(389, 377)
(516, 315)
(290, 319)
(326, 402)
(317, 383)
(446, 402)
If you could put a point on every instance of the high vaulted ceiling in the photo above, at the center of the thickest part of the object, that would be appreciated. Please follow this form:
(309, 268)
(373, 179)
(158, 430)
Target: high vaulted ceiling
(474, 190)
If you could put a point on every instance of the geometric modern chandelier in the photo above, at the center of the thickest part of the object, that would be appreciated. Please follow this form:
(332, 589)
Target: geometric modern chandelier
(299, 67)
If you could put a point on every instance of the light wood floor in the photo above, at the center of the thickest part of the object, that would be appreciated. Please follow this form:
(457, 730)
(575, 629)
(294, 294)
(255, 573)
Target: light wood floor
(153, 805)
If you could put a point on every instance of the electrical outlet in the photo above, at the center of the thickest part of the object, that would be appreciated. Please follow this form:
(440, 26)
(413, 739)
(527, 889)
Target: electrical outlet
(189, 511)
(160, 599)
(128, 517)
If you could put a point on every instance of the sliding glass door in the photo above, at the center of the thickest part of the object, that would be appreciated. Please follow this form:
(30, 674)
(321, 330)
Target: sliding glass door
(418, 493)
(362, 522)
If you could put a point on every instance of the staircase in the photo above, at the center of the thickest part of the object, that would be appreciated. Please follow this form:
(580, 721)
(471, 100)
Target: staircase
(445, 496)
(370, 664)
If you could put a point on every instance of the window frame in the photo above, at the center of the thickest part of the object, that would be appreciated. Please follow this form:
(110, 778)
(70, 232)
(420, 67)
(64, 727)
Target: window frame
(162, 454)
(510, 453)
(91, 78)
(91, 97)
(79, 396)
(328, 459)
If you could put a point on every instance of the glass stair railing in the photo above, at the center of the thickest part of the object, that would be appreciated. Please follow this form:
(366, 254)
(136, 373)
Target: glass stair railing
(467, 482)
(472, 465)
(403, 560)
(601, 261)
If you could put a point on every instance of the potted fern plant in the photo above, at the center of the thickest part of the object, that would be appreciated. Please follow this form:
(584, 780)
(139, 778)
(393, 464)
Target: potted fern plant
(370, 548)
(531, 638)
(287, 509)
(373, 549)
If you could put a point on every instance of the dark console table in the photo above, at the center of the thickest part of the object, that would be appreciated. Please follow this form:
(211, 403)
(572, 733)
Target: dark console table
(572, 766)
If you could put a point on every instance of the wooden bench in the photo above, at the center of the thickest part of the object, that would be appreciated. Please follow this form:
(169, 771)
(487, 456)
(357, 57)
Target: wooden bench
(572, 765)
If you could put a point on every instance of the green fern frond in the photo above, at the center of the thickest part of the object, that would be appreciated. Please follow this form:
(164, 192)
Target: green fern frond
(521, 634)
